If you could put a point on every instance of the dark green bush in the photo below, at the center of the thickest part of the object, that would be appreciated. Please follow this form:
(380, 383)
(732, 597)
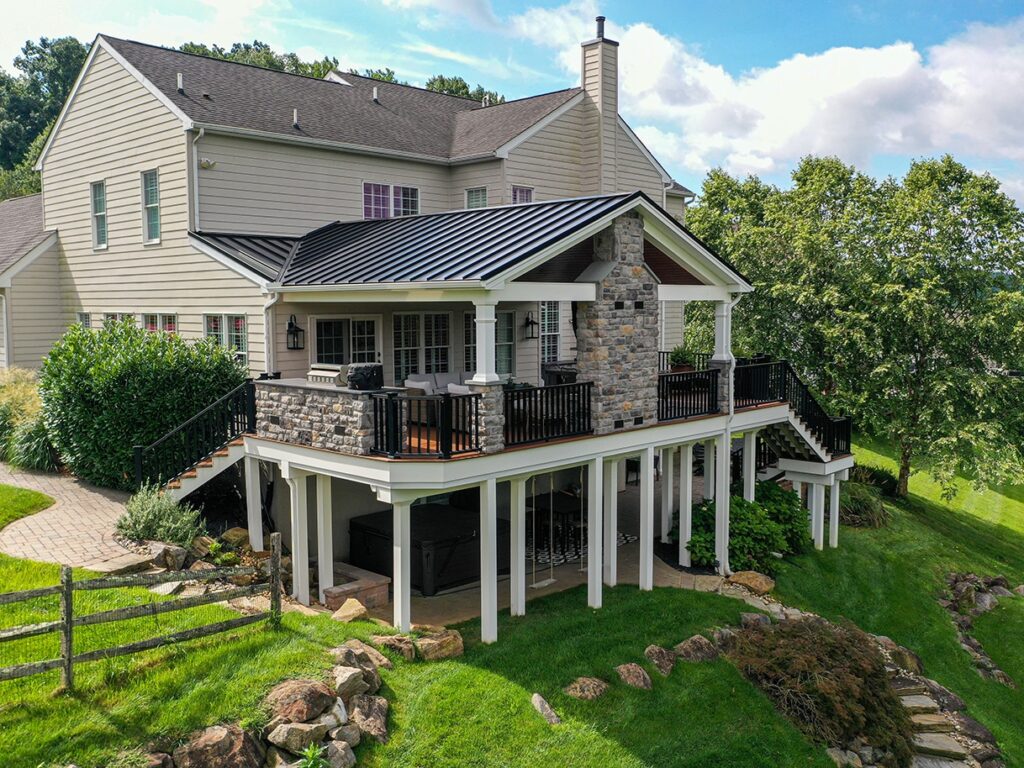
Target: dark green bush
(107, 390)
(784, 507)
(861, 505)
(830, 679)
(753, 537)
(153, 515)
(28, 446)
(882, 479)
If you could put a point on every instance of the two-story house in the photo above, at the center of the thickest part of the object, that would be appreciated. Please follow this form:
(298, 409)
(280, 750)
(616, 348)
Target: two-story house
(437, 295)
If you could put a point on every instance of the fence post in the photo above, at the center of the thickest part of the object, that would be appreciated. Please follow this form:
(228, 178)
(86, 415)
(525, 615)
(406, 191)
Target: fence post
(275, 580)
(250, 405)
(67, 623)
(138, 465)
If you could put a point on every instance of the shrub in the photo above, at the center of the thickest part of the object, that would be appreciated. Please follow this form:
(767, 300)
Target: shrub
(28, 446)
(19, 390)
(882, 479)
(105, 391)
(784, 507)
(830, 679)
(6, 422)
(861, 505)
(753, 536)
(152, 514)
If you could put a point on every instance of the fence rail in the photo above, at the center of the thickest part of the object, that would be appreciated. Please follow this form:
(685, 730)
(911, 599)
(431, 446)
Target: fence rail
(68, 620)
(685, 395)
(538, 414)
(414, 426)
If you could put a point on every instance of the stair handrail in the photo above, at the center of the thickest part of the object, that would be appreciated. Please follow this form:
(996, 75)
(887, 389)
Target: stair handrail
(830, 430)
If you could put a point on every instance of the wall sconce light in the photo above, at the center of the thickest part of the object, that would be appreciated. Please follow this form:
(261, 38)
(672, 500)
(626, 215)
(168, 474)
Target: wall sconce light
(296, 336)
(531, 326)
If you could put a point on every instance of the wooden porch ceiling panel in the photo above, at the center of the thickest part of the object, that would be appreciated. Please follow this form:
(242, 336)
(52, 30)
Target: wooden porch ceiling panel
(666, 269)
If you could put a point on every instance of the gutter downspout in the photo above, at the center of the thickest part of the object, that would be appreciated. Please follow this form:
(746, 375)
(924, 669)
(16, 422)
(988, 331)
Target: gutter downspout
(268, 331)
(195, 180)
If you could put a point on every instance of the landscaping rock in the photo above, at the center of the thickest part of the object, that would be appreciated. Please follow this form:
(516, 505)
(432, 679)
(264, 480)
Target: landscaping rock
(339, 754)
(226, 746)
(167, 588)
(756, 582)
(919, 704)
(201, 565)
(721, 637)
(169, 556)
(446, 644)
(348, 656)
(749, 620)
(370, 715)
(939, 745)
(159, 760)
(1019, 590)
(351, 610)
(400, 644)
(236, 537)
(634, 675)
(904, 658)
(931, 723)
(947, 700)
(299, 701)
(349, 682)
(334, 717)
(350, 734)
(662, 658)
(378, 658)
(277, 758)
(201, 546)
(697, 648)
(295, 737)
(844, 757)
(586, 688)
(542, 706)
(984, 602)
(972, 729)
(999, 591)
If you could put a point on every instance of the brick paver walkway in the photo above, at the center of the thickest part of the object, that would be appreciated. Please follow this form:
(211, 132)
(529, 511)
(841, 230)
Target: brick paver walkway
(77, 530)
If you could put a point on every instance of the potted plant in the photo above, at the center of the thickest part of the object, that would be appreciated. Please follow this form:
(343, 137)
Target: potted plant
(680, 361)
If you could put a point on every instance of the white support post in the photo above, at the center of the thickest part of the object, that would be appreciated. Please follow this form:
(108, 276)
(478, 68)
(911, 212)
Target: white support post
(723, 331)
(709, 470)
(647, 518)
(749, 464)
(798, 489)
(685, 502)
(486, 362)
(325, 535)
(401, 579)
(517, 505)
(818, 515)
(253, 503)
(611, 522)
(595, 507)
(488, 561)
(833, 515)
(722, 504)
(667, 492)
(300, 533)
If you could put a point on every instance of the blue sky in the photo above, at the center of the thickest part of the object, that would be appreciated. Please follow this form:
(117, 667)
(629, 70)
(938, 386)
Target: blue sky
(749, 86)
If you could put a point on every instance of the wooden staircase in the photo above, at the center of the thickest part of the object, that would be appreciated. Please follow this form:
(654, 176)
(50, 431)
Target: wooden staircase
(206, 470)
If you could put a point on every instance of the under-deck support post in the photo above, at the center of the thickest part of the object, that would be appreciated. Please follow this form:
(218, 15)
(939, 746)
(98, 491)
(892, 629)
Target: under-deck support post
(749, 464)
(325, 535)
(253, 503)
(517, 505)
(647, 518)
(685, 502)
(721, 481)
(833, 515)
(488, 561)
(595, 508)
(300, 532)
(610, 497)
(817, 494)
(401, 579)
(667, 492)
(709, 470)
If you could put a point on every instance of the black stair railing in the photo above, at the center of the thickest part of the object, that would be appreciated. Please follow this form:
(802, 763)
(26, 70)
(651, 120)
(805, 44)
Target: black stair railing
(199, 438)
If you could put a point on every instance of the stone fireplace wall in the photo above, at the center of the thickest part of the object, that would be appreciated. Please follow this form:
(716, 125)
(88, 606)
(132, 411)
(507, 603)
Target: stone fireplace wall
(617, 335)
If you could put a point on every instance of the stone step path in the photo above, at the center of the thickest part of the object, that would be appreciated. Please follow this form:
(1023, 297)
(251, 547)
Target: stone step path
(931, 723)
(929, 761)
(918, 704)
(939, 745)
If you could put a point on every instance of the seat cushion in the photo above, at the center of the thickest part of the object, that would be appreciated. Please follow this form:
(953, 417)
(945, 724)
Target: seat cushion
(458, 389)
(423, 384)
(444, 379)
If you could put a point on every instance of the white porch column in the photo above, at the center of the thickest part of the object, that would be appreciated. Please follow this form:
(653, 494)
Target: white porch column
(324, 535)
(798, 489)
(818, 515)
(709, 469)
(517, 505)
(488, 561)
(647, 518)
(300, 532)
(723, 331)
(595, 508)
(401, 570)
(667, 492)
(486, 363)
(722, 504)
(685, 502)
(253, 503)
(610, 497)
(833, 515)
(749, 464)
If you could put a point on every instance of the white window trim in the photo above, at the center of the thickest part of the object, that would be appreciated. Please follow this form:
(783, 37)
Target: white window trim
(390, 198)
(86, 316)
(96, 245)
(243, 356)
(160, 316)
(421, 354)
(311, 322)
(145, 221)
(513, 187)
(118, 316)
(541, 334)
(476, 189)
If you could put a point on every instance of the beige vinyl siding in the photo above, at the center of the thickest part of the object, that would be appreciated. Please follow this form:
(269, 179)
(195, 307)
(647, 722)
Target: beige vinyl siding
(114, 130)
(484, 174)
(37, 320)
(274, 188)
(549, 161)
(672, 324)
(676, 206)
(635, 171)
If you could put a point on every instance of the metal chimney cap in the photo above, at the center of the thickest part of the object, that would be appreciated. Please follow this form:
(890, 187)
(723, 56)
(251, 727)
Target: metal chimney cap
(600, 27)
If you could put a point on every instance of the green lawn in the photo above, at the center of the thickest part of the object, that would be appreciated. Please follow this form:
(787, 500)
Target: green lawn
(887, 582)
(19, 502)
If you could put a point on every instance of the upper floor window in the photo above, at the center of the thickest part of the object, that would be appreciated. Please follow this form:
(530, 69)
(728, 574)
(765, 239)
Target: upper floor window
(522, 195)
(549, 331)
(98, 192)
(383, 201)
(228, 331)
(476, 197)
(151, 206)
(160, 322)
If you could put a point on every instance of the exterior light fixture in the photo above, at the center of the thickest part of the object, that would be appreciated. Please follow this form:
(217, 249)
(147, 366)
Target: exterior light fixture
(531, 326)
(296, 336)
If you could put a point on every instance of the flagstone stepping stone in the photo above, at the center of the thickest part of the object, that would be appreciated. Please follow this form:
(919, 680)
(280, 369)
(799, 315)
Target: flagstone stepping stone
(930, 761)
(931, 723)
(918, 704)
(907, 686)
(939, 745)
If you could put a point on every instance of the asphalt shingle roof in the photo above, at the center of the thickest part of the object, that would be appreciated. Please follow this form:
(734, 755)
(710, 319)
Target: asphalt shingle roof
(404, 119)
(21, 228)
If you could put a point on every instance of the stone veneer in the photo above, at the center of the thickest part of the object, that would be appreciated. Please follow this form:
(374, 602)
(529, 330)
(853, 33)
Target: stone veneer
(617, 335)
(492, 416)
(724, 368)
(319, 416)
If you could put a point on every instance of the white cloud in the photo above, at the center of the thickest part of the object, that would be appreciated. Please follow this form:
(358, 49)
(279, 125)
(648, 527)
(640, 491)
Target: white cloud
(439, 13)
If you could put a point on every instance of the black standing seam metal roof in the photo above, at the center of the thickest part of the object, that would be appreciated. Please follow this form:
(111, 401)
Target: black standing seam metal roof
(264, 254)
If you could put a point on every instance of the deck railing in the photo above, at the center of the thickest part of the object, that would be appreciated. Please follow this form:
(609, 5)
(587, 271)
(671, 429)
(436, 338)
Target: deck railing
(537, 414)
(414, 426)
(685, 395)
(699, 360)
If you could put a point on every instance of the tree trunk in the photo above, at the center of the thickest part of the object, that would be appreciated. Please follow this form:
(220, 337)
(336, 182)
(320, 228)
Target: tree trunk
(904, 477)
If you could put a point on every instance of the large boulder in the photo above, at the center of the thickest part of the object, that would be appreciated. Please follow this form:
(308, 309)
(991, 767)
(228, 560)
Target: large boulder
(295, 737)
(334, 717)
(400, 644)
(586, 688)
(634, 675)
(350, 734)
(278, 758)
(351, 610)
(378, 658)
(225, 746)
(446, 644)
(756, 582)
(984, 602)
(662, 658)
(236, 538)
(348, 682)
(370, 715)
(971, 728)
(169, 556)
(299, 701)
(339, 754)
(696, 648)
(347, 656)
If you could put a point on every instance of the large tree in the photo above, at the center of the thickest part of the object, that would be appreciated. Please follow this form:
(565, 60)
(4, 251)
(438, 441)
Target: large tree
(457, 86)
(261, 54)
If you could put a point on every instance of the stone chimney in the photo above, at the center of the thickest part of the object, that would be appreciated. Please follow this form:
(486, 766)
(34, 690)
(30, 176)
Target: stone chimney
(600, 78)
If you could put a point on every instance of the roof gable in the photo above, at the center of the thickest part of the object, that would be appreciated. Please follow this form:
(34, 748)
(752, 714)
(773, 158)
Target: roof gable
(21, 228)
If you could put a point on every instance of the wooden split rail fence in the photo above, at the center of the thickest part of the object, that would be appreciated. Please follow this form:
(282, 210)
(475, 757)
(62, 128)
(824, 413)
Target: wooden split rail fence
(67, 622)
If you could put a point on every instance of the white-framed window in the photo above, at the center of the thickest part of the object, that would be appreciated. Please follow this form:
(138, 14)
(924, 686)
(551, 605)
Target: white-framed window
(436, 342)
(98, 198)
(118, 316)
(476, 197)
(384, 201)
(504, 342)
(160, 322)
(341, 340)
(521, 195)
(406, 345)
(85, 319)
(549, 331)
(229, 331)
(151, 206)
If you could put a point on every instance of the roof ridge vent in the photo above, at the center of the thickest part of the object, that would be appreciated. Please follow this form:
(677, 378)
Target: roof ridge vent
(181, 83)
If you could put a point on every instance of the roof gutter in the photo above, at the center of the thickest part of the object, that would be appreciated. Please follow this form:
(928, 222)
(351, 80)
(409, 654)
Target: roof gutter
(269, 356)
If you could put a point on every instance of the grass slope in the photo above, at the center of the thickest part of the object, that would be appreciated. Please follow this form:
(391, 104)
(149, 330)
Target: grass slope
(887, 582)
